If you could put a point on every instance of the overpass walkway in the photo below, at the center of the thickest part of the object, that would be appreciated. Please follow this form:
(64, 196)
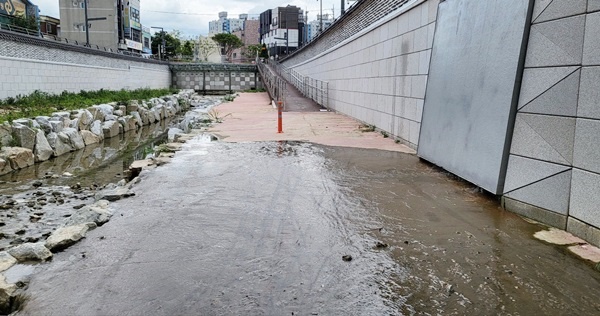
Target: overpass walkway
(281, 89)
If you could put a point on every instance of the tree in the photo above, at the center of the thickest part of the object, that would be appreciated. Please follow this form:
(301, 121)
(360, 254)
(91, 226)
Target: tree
(187, 49)
(28, 22)
(206, 47)
(228, 43)
(252, 50)
(172, 44)
(264, 52)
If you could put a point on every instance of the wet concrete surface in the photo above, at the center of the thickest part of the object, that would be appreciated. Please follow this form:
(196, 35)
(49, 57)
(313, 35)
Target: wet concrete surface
(261, 229)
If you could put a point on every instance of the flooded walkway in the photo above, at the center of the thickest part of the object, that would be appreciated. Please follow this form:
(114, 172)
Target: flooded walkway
(262, 229)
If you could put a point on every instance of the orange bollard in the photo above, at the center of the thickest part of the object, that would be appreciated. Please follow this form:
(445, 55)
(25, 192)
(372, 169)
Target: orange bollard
(279, 117)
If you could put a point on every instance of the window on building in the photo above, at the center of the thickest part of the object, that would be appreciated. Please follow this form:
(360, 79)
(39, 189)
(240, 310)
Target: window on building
(48, 28)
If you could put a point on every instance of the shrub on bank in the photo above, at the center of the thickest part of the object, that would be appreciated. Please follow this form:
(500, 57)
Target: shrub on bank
(41, 103)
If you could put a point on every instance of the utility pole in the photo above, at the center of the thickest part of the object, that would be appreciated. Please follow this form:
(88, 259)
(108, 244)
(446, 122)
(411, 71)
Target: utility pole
(162, 35)
(87, 23)
(321, 17)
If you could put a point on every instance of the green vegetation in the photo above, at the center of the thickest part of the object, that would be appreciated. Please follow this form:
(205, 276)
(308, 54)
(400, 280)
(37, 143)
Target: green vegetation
(41, 103)
(384, 134)
(228, 43)
(367, 128)
(27, 22)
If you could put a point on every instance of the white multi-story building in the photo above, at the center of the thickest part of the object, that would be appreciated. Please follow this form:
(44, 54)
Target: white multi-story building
(226, 25)
(312, 29)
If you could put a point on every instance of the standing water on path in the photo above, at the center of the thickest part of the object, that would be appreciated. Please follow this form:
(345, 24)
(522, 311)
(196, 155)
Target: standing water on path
(298, 229)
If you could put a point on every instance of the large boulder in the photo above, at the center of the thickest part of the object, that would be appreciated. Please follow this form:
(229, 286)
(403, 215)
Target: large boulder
(42, 150)
(57, 126)
(85, 119)
(96, 128)
(98, 213)
(66, 236)
(6, 261)
(18, 157)
(127, 122)
(114, 193)
(172, 132)
(60, 143)
(6, 137)
(5, 166)
(89, 137)
(75, 138)
(110, 129)
(30, 252)
(137, 118)
(97, 113)
(7, 295)
(44, 123)
(24, 135)
(106, 109)
(63, 117)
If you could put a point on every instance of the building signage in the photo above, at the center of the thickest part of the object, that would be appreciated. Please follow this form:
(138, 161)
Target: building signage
(133, 44)
(12, 7)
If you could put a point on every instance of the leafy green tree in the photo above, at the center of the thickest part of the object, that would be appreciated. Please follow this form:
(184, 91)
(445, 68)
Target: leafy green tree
(172, 44)
(28, 22)
(228, 43)
(252, 51)
(187, 49)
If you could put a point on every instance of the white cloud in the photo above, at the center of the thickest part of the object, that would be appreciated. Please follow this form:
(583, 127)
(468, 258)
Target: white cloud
(195, 14)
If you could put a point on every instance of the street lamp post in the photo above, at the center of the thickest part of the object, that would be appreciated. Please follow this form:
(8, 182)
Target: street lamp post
(87, 22)
(162, 35)
(321, 17)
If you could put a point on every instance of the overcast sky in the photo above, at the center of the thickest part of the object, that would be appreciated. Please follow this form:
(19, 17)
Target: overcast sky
(191, 17)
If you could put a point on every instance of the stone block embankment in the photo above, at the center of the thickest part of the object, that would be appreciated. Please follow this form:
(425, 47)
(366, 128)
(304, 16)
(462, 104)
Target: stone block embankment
(30, 140)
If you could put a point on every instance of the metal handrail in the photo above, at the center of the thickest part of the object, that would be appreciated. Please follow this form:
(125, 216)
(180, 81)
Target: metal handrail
(314, 89)
(276, 86)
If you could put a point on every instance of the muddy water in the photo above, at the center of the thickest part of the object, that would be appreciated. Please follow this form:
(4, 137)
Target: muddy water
(40, 210)
(261, 229)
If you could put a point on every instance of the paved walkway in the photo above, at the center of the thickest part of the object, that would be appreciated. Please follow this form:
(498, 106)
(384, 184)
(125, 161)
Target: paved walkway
(250, 117)
(295, 101)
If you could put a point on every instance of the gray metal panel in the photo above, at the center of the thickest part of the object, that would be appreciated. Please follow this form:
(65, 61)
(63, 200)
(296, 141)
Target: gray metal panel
(470, 101)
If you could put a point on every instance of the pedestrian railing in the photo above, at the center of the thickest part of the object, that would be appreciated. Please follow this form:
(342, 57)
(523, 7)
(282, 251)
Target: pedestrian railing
(276, 86)
(314, 89)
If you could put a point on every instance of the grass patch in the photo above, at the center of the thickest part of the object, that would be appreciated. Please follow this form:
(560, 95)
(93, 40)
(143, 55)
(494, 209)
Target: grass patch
(41, 103)
(254, 90)
(367, 128)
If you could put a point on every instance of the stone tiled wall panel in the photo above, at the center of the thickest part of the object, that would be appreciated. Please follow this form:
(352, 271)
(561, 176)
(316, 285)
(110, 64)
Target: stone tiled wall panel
(378, 76)
(558, 121)
(26, 67)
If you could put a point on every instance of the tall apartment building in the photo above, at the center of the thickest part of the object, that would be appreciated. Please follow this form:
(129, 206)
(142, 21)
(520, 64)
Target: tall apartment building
(226, 25)
(282, 30)
(312, 28)
(121, 29)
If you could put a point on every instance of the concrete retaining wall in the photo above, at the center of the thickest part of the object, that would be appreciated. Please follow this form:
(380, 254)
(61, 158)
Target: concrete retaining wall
(378, 74)
(215, 77)
(554, 168)
(28, 64)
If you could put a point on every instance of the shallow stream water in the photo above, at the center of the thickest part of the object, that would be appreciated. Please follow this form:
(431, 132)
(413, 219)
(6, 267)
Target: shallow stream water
(282, 228)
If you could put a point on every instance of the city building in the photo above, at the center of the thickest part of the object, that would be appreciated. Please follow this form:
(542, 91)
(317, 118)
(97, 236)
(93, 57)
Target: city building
(226, 25)
(282, 30)
(49, 25)
(146, 40)
(249, 35)
(112, 24)
(312, 28)
(13, 8)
